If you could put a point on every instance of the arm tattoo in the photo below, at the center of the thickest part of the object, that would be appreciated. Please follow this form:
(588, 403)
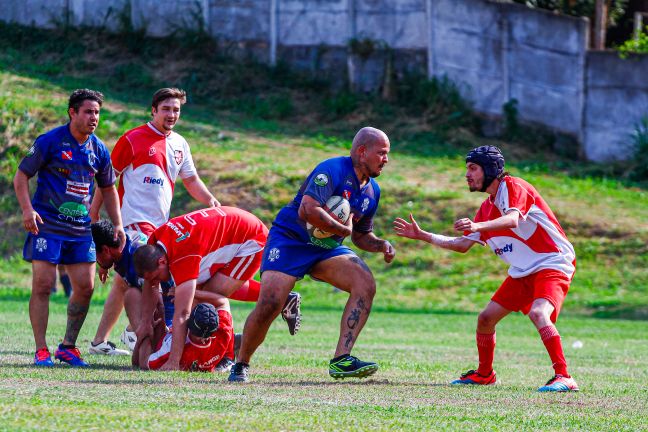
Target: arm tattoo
(76, 316)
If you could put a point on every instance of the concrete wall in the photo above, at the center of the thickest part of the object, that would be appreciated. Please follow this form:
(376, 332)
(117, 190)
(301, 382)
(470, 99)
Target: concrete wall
(493, 50)
(617, 100)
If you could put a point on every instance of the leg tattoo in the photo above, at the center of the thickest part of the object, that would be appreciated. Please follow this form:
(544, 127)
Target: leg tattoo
(361, 263)
(353, 318)
(349, 339)
(76, 316)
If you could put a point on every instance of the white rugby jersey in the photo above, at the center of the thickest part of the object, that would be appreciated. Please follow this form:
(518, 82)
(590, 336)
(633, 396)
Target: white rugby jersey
(148, 163)
(538, 242)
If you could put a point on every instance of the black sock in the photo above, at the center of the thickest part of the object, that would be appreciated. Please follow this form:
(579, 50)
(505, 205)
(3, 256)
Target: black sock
(340, 357)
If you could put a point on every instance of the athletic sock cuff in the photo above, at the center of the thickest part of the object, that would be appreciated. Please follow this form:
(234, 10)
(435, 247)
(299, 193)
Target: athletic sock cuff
(485, 340)
(548, 332)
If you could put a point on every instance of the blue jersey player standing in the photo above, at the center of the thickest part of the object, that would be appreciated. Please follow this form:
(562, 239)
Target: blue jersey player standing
(68, 160)
(290, 253)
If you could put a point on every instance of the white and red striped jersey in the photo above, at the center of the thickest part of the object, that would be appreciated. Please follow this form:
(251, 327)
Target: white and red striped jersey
(538, 242)
(148, 163)
(197, 357)
(200, 243)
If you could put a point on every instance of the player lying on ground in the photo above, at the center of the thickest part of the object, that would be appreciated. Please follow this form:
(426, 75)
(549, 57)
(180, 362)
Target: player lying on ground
(294, 250)
(207, 339)
(210, 254)
(520, 228)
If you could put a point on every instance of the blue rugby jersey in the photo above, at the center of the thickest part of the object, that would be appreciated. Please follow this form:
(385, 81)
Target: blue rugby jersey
(66, 173)
(125, 266)
(332, 177)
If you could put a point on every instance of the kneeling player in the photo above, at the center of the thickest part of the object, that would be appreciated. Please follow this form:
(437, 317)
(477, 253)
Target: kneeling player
(209, 335)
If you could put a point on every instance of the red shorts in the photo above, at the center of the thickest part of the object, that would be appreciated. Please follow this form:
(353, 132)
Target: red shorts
(240, 268)
(142, 228)
(518, 294)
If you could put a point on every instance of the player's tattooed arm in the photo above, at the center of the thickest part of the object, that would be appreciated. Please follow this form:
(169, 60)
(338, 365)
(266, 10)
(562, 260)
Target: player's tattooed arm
(370, 243)
(77, 313)
(413, 231)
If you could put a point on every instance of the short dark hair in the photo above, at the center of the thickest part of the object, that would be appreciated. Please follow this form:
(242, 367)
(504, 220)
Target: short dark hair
(166, 93)
(79, 95)
(145, 258)
(103, 234)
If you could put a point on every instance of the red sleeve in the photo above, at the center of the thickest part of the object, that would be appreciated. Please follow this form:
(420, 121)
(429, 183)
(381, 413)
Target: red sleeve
(122, 154)
(185, 268)
(514, 196)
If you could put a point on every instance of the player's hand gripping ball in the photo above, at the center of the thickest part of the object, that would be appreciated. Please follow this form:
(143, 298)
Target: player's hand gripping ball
(337, 207)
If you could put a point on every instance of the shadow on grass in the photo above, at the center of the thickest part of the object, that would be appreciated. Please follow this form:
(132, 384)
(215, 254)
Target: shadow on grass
(356, 383)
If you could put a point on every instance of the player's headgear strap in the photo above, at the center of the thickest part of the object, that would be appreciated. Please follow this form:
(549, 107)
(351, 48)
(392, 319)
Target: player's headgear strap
(490, 159)
(203, 321)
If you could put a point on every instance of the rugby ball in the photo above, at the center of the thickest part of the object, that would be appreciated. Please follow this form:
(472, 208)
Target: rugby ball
(336, 206)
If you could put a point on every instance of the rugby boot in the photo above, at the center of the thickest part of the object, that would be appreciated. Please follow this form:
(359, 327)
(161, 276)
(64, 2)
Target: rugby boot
(473, 378)
(348, 366)
(560, 383)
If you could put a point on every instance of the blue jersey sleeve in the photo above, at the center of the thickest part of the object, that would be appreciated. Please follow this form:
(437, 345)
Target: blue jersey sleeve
(366, 224)
(37, 156)
(105, 174)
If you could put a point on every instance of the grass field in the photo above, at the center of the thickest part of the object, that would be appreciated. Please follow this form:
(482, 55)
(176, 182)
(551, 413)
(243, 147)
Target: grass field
(254, 140)
(419, 353)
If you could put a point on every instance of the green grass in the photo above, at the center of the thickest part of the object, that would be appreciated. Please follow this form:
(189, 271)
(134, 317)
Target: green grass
(419, 353)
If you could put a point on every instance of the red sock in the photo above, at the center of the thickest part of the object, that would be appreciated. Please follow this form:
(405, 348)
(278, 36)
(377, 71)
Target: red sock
(249, 292)
(486, 349)
(551, 339)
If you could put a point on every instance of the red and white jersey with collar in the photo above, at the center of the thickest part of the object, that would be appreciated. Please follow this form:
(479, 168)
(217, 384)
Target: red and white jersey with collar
(148, 163)
(538, 242)
(200, 243)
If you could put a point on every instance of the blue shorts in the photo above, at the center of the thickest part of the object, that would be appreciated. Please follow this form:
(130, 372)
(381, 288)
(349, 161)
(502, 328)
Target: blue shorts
(294, 257)
(56, 251)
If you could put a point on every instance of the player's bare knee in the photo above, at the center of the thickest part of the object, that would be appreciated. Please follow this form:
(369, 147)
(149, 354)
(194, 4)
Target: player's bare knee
(538, 314)
(270, 307)
(485, 320)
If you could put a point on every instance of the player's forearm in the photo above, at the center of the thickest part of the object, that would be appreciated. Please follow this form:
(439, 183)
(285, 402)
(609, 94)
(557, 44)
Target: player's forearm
(457, 244)
(95, 207)
(368, 242)
(198, 190)
(21, 187)
(508, 221)
(319, 218)
(112, 205)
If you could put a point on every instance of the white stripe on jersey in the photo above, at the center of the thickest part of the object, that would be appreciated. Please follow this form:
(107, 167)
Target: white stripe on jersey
(224, 255)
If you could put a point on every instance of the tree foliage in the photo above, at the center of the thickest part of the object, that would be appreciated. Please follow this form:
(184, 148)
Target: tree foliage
(585, 8)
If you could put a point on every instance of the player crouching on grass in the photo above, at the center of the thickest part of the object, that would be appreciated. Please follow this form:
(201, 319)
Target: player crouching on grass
(209, 336)
(521, 229)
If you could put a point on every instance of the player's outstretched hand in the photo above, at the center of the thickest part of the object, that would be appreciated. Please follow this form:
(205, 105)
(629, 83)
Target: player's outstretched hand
(31, 219)
(388, 252)
(407, 229)
(214, 203)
